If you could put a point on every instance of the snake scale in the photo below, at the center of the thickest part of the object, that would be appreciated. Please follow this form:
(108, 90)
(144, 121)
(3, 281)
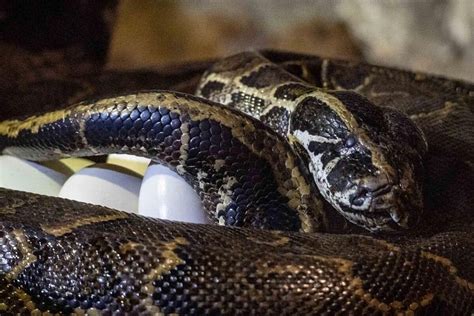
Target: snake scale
(349, 189)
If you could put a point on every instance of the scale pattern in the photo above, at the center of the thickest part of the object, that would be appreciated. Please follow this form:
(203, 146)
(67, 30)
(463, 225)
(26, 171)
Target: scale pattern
(71, 257)
(60, 256)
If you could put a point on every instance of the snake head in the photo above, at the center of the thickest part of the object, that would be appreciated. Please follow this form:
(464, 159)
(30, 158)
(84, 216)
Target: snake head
(365, 160)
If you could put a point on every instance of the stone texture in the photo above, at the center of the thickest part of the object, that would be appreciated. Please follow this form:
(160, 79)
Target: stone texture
(427, 35)
(432, 36)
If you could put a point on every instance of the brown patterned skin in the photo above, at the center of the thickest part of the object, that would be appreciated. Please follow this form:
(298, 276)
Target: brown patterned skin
(63, 256)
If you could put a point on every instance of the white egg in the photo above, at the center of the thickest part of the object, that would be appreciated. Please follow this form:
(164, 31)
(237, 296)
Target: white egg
(161, 194)
(166, 195)
(105, 185)
(23, 175)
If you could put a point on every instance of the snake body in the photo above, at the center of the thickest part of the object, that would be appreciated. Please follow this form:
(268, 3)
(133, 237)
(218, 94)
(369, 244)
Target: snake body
(307, 156)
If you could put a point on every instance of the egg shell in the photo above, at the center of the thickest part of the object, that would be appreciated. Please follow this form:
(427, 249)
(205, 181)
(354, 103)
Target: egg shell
(105, 185)
(24, 175)
(166, 195)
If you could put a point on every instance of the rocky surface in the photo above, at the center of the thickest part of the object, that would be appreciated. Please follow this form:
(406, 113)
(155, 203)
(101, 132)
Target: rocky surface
(430, 35)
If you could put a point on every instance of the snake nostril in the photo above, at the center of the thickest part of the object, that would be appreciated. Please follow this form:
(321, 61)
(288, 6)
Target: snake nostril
(358, 201)
(365, 192)
(359, 197)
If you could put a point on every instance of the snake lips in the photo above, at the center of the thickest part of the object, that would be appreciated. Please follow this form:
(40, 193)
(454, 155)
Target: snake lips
(369, 169)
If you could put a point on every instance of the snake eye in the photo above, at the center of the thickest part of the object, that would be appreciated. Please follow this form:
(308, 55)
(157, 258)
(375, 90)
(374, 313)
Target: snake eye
(350, 141)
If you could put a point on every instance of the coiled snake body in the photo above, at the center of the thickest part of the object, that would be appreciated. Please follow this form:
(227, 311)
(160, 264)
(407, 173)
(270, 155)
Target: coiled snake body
(316, 168)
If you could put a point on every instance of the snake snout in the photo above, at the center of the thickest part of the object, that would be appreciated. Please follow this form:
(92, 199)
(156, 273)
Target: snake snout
(378, 200)
(369, 189)
(365, 193)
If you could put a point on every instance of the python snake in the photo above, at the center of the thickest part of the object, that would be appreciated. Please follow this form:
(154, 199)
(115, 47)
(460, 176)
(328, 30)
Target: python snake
(361, 210)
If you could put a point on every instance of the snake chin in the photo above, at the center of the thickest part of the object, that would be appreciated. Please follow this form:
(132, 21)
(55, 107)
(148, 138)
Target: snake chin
(386, 221)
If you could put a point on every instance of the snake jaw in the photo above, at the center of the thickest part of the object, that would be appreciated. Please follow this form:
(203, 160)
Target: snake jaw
(399, 218)
(384, 208)
(403, 207)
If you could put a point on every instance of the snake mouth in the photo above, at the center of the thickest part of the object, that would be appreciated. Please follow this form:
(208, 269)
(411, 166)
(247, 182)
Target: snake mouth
(379, 210)
(365, 197)
(380, 220)
(365, 193)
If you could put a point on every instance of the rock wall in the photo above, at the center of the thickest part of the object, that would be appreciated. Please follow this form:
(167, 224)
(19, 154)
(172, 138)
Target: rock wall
(428, 35)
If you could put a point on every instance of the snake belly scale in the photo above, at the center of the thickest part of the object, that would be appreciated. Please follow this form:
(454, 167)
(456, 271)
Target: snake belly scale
(304, 181)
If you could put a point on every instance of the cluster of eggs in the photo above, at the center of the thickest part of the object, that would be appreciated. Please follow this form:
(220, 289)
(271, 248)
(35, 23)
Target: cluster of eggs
(124, 182)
